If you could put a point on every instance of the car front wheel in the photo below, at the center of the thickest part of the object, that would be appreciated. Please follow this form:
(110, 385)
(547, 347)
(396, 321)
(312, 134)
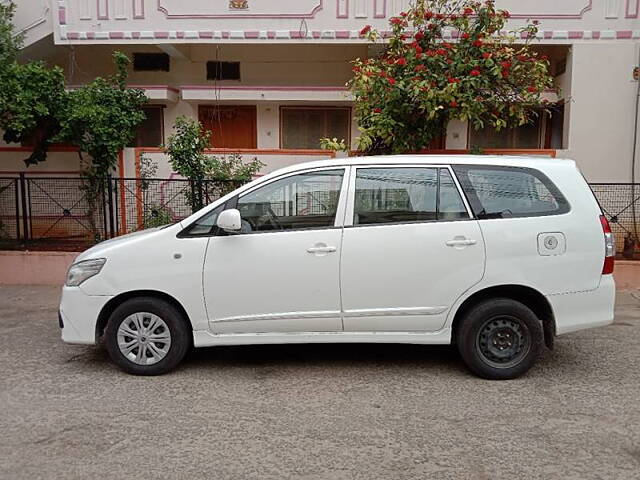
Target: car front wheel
(500, 339)
(146, 336)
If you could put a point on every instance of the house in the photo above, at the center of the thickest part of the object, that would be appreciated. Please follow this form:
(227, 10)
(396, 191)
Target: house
(268, 77)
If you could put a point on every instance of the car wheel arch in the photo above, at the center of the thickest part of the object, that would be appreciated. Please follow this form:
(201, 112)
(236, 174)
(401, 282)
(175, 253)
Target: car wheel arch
(528, 296)
(119, 299)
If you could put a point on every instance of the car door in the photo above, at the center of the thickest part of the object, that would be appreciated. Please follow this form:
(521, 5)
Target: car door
(281, 272)
(410, 248)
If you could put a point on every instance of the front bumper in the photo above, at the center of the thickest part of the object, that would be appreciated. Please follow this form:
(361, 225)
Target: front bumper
(580, 310)
(78, 315)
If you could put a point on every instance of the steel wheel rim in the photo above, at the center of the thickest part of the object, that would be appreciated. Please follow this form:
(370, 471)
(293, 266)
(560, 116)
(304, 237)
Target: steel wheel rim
(144, 338)
(503, 341)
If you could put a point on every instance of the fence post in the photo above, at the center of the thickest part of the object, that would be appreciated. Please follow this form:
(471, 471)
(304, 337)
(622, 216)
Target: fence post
(17, 205)
(200, 199)
(110, 205)
(23, 202)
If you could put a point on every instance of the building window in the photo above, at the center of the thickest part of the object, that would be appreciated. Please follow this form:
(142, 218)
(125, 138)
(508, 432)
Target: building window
(303, 127)
(151, 62)
(150, 133)
(223, 70)
(544, 131)
(524, 136)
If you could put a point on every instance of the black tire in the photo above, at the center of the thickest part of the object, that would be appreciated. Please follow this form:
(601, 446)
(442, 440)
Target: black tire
(180, 335)
(500, 339)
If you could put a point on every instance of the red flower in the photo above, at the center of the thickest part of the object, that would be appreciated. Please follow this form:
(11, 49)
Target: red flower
(452, 80)
(544, 58)
(377, 110)
(475, 72)
(477, 43)
(468, 11)
(532, 89)
(441, 51)
(486, 55)
(396, 21)
(453, 104)
(403, 14)
(505, 73)
(523, 58)
(439, 16)
(356, 69)
(420, 68)
(506, 14)
(464, 36)
(428, 15)
(418, 49)
(419, 36)
(392, 81)
(506, 65)
(401, 61)
(454, 17)
(365, 30)
(430, 53)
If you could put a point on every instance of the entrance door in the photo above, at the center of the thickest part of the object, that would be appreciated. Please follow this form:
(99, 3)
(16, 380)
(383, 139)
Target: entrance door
(280, 273)
(411, 251)
(232, 126)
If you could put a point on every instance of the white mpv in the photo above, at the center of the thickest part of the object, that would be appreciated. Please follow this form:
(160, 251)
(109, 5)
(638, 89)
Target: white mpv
(496, 255)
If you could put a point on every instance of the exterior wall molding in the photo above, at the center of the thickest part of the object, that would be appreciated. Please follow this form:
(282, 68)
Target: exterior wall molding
(380, 11)
(165, 10)
(197, 36)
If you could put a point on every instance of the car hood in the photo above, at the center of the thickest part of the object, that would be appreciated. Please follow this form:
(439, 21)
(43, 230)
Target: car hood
(103, 248)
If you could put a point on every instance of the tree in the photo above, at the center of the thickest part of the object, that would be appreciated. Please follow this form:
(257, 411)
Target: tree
(100, 118)
(30, 95)
(10, 41)
(405, 98)
(186, 149)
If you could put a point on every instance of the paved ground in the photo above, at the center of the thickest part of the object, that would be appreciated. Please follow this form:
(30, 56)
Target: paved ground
(314, 412)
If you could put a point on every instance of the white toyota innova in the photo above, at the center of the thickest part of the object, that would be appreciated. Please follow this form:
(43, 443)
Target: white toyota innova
(497, 255)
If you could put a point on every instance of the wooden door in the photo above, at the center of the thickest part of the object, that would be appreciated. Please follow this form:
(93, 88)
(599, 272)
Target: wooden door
(232, 126)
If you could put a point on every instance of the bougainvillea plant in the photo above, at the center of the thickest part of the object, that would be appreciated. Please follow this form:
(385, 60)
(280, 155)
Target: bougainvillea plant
(444, 60)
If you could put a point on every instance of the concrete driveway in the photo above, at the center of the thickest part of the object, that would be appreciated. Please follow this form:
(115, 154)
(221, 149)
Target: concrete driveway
(314, 412)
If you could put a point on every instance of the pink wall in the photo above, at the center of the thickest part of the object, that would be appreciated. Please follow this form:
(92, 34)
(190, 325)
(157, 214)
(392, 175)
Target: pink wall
(34, 268)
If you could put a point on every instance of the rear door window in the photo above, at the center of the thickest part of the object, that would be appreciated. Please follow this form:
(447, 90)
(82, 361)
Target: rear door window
(506, 192)
(406, 195)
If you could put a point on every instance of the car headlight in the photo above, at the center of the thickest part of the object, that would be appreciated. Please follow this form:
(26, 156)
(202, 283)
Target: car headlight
(81, 271)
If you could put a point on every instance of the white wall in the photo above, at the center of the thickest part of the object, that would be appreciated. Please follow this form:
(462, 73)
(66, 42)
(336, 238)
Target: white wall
(601, 111)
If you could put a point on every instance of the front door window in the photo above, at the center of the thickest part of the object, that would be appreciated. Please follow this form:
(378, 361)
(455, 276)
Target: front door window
(299, 202)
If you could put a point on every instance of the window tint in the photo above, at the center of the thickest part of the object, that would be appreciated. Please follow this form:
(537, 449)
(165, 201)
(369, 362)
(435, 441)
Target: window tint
(501, 192)
(205, 225)
(451, 206)
(307, 200)
(390, 195)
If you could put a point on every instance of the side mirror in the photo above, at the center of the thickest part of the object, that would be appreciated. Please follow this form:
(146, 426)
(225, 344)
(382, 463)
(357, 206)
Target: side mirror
(229, 220)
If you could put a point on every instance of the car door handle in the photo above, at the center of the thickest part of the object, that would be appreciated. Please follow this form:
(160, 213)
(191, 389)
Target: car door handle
(321, 249)
(460, 242)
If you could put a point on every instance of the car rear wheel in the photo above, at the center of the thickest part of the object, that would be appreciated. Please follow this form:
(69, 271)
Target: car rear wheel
(500, 339)
(147, 336)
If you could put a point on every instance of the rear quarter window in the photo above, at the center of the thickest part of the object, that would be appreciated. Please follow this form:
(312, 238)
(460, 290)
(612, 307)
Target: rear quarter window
(510, 192)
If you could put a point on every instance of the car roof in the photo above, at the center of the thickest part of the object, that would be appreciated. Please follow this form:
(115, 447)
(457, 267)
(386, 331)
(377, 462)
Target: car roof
(504, 160)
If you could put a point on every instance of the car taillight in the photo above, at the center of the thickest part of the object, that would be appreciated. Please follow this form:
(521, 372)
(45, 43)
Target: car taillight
(609, 246)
